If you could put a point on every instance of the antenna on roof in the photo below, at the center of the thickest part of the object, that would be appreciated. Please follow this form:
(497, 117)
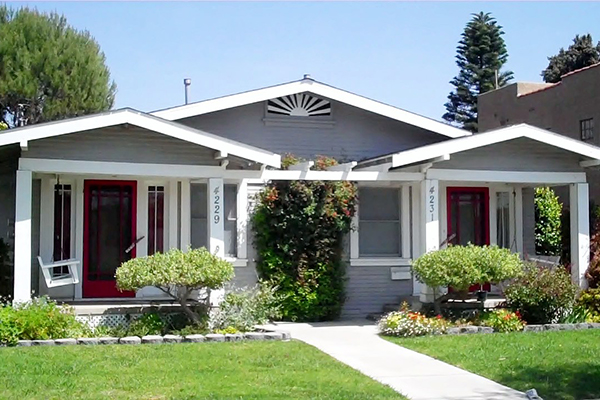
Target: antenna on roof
(186, 83)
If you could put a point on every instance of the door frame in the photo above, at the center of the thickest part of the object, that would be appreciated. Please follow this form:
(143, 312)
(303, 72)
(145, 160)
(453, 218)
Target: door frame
(486, 204)
(107, 290)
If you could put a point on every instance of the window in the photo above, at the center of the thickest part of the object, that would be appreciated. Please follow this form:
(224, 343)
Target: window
(156, 219)
(379, 222)
(198, 199)
(62, 227)
(230, 214)
(586, 128)
(503, 219)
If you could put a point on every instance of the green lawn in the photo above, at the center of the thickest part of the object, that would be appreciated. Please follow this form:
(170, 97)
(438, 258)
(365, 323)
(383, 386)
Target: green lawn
(559, 365)
(257, 370)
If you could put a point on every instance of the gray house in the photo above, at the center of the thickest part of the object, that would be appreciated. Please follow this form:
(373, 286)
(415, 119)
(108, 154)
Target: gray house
(88, 193)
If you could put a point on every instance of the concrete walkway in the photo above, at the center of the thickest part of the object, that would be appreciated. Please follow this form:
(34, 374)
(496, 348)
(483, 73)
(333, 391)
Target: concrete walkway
(415, 375)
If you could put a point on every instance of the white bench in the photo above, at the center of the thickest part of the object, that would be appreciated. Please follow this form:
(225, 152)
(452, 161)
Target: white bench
(70, 278)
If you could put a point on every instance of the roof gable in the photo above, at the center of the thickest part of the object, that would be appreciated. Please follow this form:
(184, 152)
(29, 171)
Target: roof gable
(311, 86)
(142, 120)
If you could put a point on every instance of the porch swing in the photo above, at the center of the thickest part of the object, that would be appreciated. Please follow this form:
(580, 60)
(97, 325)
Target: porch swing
(62, 272)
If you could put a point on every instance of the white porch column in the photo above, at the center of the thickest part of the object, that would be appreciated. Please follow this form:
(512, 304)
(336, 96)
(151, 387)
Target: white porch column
(430, 226)
(186, 216)
(22, 283)
(580, 232)
(216, 227)
(416, 229)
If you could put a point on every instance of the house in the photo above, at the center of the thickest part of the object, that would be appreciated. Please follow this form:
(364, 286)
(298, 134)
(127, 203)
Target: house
(568, 107)
(103, 188)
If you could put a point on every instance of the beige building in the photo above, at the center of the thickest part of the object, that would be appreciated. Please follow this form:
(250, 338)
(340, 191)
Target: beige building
(570, 107)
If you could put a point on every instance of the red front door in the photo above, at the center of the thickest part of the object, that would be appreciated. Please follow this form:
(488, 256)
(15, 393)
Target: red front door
(109, 231)
(469, 218)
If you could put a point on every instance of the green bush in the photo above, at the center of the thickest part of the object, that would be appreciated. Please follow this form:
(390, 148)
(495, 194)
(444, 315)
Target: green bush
(548, 211)
(460, 267)
(40, 318)
(541, 295)
(178, 274)
(502, 320)
(147, 324)
(243, 309)
(299, 227)
(590, 300)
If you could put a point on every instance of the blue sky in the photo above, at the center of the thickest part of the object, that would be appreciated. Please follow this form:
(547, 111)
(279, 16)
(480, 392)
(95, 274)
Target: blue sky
(398, 53)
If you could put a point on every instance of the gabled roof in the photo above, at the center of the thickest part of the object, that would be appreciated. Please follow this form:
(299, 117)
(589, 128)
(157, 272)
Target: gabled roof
(441, 151)
(320, 89)
(142, 120)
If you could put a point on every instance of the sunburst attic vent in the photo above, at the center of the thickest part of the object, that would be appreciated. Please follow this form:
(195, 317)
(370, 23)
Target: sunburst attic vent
(299, 105)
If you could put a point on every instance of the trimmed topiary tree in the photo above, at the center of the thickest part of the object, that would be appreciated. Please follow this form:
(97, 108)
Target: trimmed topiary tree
(460, 267)
(299, 228)
(177, 274)
(548, 212)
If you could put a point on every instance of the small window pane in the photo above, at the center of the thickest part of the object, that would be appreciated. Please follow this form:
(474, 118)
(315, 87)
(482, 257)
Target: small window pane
(62, 227)
(379, 204)
(379, 239)
(230, 212)
(199, 210)
(586, 128)
(503, 219)
(156, 218)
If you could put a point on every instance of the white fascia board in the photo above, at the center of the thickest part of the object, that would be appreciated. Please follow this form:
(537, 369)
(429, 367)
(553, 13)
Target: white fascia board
(152, 123)
(526, 177)
(309, 85)
(445, 149)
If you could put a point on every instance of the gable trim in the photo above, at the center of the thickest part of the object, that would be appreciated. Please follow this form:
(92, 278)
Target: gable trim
(129, 116)
(437, 152)
(320, 89)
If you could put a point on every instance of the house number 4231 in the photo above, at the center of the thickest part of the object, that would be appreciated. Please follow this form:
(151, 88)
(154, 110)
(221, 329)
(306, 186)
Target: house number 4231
(216, 205)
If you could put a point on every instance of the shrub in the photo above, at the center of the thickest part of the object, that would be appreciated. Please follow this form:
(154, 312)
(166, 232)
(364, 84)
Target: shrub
(241, 310)
(177, 274)
(406, 323)
(460, 267)
(502, 320)
(541, 295)
(590, 300)
(548, 211)
(40, 318)
(299, 228)
(576, 315)
(146, 324)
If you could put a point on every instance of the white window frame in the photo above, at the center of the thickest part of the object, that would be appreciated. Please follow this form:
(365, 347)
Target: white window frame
(405, 227)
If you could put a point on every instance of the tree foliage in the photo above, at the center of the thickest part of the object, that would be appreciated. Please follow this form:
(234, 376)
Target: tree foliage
(177, 274)
(48, 69)
(299, 227)
(582, 53)
(548, 222)
(480, 54)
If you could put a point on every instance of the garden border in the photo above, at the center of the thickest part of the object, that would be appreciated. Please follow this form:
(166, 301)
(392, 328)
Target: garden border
(262, 335)
(473, 329)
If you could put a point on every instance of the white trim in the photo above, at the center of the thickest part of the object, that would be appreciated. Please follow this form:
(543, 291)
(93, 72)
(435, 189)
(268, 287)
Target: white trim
(405, 220)
(141, 229)
(173, 214)
(380, 262)
(519, 219)
(146, 121)
(185, 216)
(580, 232)
(416, 232)
(345, 167)
(433, 151)
(303, 166)
(22, 246)
(78, 195)
(466, 175)
(198, 171)
(47, 223)
(216, 217)
(237, 262)
(354, 238)
(312, 86)
(242, 220)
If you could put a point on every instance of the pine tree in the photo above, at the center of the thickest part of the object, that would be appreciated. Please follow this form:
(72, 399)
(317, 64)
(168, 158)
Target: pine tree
(49, 70)
(580, 54)
(481, 53)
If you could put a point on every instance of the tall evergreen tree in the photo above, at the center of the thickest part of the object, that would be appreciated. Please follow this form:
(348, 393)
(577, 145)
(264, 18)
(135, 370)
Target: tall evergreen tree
(481, 53)
(580, 54)
(49, 70)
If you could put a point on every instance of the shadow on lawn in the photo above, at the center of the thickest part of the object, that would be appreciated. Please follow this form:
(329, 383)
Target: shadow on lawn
(561, 381)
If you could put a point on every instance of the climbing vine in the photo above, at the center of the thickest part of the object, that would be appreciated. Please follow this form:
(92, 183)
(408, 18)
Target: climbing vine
(299, 229)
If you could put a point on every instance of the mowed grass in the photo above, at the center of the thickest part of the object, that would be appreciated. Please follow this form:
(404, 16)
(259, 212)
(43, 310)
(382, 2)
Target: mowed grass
(559, 365)
(254, 370)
